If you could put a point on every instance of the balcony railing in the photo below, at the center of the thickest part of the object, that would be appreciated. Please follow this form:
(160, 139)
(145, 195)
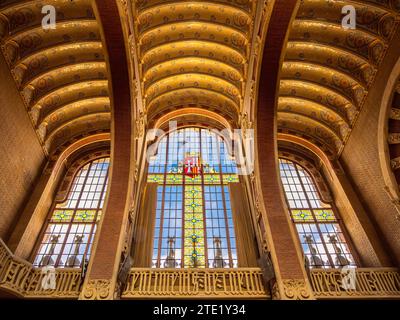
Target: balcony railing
(356, 283)
(20, 278)
(195, 283)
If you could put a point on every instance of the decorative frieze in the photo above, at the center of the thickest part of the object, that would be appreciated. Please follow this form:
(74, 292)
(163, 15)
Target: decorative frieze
(295, 289)
(21, 278)
(394, 138)
(98, 289)
(195, 283)
(356, 283)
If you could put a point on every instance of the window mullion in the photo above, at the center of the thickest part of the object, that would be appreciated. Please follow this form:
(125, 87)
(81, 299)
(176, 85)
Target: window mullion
(94, 222)
(160, 242)
(313, 215)
(73, 216)
(228, 239)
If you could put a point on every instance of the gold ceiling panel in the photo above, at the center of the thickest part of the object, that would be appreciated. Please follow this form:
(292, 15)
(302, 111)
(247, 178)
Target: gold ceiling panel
(52, 58)
(62, 76)
(316, 112)
(31, 41)
(301, 125)
(27, 14)
(193, 53)
(234, 17)
(77, 128)
(335, 58)
(356, 42)
(370, 16)
(228, 5)
(330, 78)
(193, 65)
(193, 97)
(201, 31)
(194, 48)
(70, 94)
(61, 73)
(193, 80)
(328, 70)
(75, 110)
(318, 94)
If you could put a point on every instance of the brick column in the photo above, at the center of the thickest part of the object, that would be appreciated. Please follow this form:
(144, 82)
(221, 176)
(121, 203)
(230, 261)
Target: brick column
(291, 278)
(101, 278)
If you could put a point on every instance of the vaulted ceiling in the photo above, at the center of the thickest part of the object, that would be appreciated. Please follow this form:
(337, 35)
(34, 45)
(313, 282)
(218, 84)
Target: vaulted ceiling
(61, 73)
(195, 55)
(328, 70)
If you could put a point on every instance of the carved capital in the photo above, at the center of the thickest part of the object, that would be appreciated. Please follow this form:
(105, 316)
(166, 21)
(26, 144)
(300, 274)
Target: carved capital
(295, 289)
(99, 289)
(140, 125)
(394, 138)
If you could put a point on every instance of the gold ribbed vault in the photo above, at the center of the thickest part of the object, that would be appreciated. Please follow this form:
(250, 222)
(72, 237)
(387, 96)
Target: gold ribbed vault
(61, 74)
(193, 54)
(196, 55)
(327, 70)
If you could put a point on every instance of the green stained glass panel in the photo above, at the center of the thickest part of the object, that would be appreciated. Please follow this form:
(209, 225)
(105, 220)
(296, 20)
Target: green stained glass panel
(212, 179)
(84, 215)
(155, 178)
(62, 215)
(302, 215)
(174, 179)
(324, 215)
(230, 178)
(193, 180)
(193, 192)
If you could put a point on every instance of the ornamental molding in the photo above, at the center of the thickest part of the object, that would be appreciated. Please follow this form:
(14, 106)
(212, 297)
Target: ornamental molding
(295, 289)
(141, 123)
(394, 138)
(99, 289)
(394, 113)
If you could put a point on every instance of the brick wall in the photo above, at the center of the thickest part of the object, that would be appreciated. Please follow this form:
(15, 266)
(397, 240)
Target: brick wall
(21, 156)
(360, 159)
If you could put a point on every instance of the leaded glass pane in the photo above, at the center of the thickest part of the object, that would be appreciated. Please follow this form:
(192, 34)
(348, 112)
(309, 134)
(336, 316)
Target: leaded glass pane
(68, 237)
(319, 230)
(195, 162)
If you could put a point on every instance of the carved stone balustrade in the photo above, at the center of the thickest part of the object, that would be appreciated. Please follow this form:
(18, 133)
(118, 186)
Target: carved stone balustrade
(18, 277)
(195, 283)
(358, 283)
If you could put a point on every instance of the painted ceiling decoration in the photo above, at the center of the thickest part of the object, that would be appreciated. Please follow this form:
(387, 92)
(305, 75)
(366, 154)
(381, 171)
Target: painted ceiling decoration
(197, 56)
(61, 73)
(193, 54)
(328, 70)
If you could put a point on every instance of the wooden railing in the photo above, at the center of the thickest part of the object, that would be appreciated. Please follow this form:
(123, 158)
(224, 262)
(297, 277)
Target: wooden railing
(359, 283)
(20, 278)
(195, 283)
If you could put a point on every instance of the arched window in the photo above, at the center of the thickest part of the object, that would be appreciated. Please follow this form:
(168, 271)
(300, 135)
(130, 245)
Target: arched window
(194, 225)
(70, 229)
(318, 227)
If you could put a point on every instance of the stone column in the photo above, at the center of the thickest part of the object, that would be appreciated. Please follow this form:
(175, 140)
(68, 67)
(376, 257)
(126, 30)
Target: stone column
(101, 278)
(291, 278)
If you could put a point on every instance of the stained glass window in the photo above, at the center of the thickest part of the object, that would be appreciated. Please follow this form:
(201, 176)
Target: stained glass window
(194, 223)
(318, 227)
(69, 233)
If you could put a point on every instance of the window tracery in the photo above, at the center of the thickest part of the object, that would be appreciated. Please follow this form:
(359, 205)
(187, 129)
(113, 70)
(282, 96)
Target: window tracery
(318, 227)
(68, 236)
(194, 224)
